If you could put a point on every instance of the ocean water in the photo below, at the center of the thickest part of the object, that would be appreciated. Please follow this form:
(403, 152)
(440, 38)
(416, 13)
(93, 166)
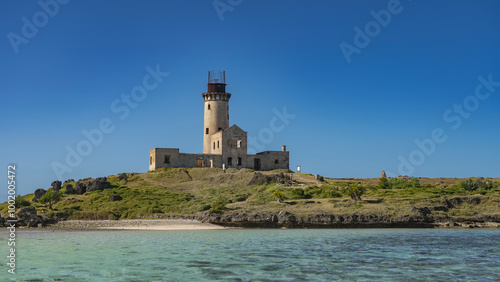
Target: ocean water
(255, 255)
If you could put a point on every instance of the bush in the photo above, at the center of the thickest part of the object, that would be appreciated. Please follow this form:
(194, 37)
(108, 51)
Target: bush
(278, 195)
(474, 183)
(218, 206)
(21, 202)
(383, 183)
(398, 183)
(355, 191)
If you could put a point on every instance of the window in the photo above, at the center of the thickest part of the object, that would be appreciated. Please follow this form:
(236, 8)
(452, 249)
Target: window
(150, 160)
(206, 130)
(229, 161)
(217, 144)
(276, 161)
(214, 145)
(167, 159)
(209, 106)
(238, 161)
(238, 143)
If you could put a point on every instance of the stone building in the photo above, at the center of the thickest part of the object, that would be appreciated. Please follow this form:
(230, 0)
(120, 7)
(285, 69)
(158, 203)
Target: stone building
(223, 145)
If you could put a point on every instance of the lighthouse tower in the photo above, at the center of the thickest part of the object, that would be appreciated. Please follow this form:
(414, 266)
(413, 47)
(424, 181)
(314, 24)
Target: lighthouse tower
(216, 108)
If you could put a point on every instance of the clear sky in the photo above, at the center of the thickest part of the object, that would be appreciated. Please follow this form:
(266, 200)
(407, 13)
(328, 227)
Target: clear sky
(363, 88)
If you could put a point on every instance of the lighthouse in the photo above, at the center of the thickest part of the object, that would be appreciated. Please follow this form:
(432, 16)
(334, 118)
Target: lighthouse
(216, 103)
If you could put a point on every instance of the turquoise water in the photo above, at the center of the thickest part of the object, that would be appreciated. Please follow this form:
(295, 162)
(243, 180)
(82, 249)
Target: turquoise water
(257, 255)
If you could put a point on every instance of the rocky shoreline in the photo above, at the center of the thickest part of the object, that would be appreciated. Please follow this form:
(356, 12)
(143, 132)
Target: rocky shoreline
(325, 220)
(420, 218)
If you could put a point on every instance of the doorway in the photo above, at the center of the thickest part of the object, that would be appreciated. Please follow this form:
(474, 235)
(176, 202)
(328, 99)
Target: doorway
(200, 162)
(256, 164)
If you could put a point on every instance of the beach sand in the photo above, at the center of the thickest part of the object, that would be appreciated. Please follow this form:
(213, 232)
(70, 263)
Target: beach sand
(135, 224)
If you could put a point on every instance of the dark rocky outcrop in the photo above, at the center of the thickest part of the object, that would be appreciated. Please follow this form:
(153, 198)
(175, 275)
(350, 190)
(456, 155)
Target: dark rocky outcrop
(260, 179)
(68, 181)
(122, 176)
(82, 187)
(56, 185)
(457, 201)
(321, 220)
(115, 198)
(69, 189)
(38, 194)
(100, 183)
(28, 216)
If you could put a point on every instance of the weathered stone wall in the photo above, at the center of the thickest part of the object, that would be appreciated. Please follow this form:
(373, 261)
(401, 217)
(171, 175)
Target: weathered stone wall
(170, 157)
(234, 140)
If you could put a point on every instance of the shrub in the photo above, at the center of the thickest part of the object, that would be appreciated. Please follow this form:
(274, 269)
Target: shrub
(355, 191)
(218, 206)
(383, 183)
(278, 195)
(398, 183)
(474, 183)
(21, 202)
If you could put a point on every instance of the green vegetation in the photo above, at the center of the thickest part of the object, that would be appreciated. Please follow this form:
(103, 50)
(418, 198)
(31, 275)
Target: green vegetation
(50, 198)
(189, 191)
(398, 183)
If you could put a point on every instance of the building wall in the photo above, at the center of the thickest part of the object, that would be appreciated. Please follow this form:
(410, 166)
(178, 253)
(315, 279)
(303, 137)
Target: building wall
(216, 146)
(170, 157)
(267, 160)
(234, 150)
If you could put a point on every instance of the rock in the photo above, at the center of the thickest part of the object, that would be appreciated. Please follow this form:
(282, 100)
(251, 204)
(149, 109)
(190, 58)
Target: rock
(28, 216)
(259, 178)
(122, 176)
(383, 175)
(81, 187)
(56, 185)
(100, 183)
(457, 201)
(115, 198)
(38, 194)
(69, 189)
(68, 181)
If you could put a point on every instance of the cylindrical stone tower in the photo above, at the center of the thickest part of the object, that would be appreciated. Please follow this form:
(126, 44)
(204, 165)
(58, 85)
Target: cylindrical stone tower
(216, 107)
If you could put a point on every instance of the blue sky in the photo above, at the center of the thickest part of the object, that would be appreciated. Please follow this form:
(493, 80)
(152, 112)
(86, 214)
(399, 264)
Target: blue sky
(351, 119)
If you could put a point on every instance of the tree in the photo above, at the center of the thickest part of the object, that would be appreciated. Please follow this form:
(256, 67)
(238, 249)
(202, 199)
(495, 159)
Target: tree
(355, 191)
(50, 198)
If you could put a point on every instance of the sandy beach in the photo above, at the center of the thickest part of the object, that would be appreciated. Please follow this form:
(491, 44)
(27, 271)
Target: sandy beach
(135, 224)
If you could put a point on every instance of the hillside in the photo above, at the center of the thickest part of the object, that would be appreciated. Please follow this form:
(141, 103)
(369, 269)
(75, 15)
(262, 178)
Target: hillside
(225, 197)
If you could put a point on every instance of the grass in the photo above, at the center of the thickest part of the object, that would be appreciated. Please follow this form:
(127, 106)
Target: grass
(189, 191)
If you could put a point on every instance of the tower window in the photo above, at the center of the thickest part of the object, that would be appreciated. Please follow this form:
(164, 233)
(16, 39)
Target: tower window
(206, 130)
(167, 159)
(229, 161)
(214, 145)
(276, 161)
(217, 144)
(238, 144)
(150, 160)
(238, 161)
(209, 106)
